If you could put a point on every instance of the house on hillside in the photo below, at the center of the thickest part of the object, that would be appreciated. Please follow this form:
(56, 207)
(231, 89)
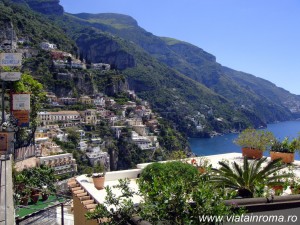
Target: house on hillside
(98, 157)
(67, 101)
(48, 46)
(85, 100)
(101, 66)
(99, 101)
(90, 116)
(63, 116)
(62, 164)
(142, 142)
(51, 97)
(8, 45)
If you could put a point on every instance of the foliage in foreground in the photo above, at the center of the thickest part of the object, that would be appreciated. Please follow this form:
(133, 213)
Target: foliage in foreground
(246, 178)
(120, 208)
(175, 193)
(172, 193)
(255, 139)
(28, 84)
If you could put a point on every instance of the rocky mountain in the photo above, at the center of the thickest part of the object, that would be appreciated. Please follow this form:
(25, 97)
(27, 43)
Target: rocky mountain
(48, 7)
(202, 67)
(182, 82)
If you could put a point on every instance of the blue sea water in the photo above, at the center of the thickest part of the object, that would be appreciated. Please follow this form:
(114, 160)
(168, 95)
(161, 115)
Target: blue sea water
(224, 144)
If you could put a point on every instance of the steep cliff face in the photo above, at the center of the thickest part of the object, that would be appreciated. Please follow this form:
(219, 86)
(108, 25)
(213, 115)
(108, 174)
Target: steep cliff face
(48, 7)
(262, 98)
(7, 32)
(116, 86)
(71, 84)
(97, 47)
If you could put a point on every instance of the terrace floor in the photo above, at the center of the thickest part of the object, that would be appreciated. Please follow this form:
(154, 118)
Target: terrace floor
(111, 178)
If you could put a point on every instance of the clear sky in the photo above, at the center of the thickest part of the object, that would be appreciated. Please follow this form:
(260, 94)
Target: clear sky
(261, 37)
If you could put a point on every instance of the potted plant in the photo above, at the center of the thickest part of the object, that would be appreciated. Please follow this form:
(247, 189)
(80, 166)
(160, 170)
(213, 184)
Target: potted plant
(45, 193)
(254, 142)
(20, 182)
(284, 150)
(295, 186)
(35, 195)
(98, 179)
(24, 196)
(202, 164)
(283, 182)
(123, 207)
(97, 173)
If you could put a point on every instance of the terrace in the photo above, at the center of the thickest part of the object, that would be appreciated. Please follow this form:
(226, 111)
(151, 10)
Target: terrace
(86, 196)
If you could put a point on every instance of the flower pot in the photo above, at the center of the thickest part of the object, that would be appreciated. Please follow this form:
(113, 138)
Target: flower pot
(201, 169)
(34, 198)
(99, 182)
(252, 153)
(20, 187)
(45, 197)
(294, 190)
(245, 193)
(278, 189)
(34, 191)
(24, 200)
(286, 157)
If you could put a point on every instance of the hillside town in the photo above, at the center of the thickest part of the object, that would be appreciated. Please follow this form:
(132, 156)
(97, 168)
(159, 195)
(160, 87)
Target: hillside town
(134, 114)
(139, 118)
(97, 124)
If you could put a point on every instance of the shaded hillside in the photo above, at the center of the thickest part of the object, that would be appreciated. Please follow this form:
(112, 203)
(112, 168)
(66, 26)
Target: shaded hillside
(175, 96)
(32, 27)
(48, 7)
(182, 82)
(200, 66)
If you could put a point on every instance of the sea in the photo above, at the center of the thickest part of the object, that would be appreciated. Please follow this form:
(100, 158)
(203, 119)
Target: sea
(224, 144)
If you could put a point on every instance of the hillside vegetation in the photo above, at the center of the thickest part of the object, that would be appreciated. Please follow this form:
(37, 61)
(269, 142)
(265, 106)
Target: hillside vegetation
(182, 82)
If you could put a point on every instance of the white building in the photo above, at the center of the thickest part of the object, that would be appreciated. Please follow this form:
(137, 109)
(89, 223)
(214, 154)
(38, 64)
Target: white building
(48, 46)
(96, 156)
(81, 133)
(62, 164)
(64, 116)
(134, 122)
(142, 142)
(82, 146)
(101, 66)
(99, 101)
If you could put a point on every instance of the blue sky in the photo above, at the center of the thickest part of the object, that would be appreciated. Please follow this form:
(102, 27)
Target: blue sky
(261, 37)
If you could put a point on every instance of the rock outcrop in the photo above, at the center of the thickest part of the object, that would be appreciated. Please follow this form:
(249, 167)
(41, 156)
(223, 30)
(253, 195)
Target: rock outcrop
(48, 7)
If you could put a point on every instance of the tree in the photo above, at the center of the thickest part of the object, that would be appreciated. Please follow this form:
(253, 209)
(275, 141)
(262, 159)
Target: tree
(245, 178)
(73, 136)
(28, 84)
(120, 209)
(175, 193)
(175, 155)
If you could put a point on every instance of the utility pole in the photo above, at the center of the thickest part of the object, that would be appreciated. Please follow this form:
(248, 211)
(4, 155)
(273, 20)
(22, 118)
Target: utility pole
(62, 213)
(3, 102)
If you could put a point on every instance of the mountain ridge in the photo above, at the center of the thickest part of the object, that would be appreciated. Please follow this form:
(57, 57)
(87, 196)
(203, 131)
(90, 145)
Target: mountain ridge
(210, 71)
(182, 81)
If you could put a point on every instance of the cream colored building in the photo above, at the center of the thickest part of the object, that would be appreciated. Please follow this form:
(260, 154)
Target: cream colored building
(85, 100)
(62, 164)
(90, 116)
(65, 116)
